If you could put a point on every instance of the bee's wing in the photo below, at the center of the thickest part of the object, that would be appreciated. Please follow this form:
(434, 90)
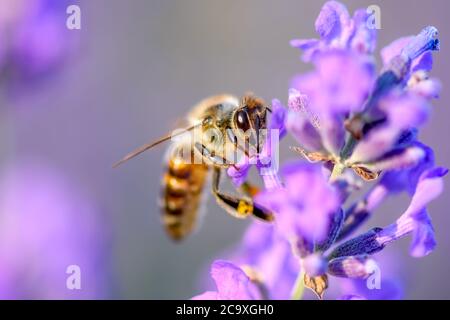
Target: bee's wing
(152, 144)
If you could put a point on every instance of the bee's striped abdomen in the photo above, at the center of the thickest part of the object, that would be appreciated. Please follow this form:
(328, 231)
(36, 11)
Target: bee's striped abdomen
(182, 193)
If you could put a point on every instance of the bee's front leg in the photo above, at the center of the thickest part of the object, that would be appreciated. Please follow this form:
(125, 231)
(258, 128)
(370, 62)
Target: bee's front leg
(240, 207)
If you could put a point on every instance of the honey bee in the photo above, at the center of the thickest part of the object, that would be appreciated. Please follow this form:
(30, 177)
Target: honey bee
(220, 129)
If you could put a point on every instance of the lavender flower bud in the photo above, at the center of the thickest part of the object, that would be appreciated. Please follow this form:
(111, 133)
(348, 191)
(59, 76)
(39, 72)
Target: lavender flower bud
(364, 244)
(425, 41)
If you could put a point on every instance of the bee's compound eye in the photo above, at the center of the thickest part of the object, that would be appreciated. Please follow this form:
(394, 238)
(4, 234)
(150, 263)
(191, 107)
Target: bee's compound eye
(242, 121)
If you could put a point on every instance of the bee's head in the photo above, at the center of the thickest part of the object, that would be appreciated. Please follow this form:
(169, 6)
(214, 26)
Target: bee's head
(250, 117)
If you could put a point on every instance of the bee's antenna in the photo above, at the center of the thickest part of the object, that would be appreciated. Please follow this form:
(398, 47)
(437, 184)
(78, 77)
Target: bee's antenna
(150, 145)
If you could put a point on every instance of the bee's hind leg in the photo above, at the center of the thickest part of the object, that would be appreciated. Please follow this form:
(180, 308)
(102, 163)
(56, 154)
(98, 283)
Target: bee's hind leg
(240, 207)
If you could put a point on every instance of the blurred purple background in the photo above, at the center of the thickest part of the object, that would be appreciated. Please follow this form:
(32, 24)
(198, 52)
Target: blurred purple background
(72, 102)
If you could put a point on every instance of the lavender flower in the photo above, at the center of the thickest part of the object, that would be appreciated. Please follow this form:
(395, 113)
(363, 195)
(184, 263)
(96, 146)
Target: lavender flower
(339, 86)
(338, 30)
(415, 219)
(418, 80)
(345, 116)
(378, 127)
(45, 227)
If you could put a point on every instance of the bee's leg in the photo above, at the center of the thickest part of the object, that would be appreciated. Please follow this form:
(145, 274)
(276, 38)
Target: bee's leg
(239, 207)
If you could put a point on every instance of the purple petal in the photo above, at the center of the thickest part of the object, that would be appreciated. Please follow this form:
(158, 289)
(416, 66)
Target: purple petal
(423, 62)
(268, 161)
(275, 199)
(332, 19)
(346, 78)
(423, 240)
(302, 123)
(304, 44)
(406, 180)
(415, 219)
(435, 173)
(258, 236)
(394, 49)
(239, 172)
(310, 47)
(333, 133)
(391, 289)
(428, 88)
(428, 188)
(270, 178)
(270, 256)
(304, 207)
(278, 117)
(232, 283)
(364, 38)
(338, 31)
(304, 132)
(376, 144)
(341, 83)
(401, 159)
(418, 225)
(403, 112)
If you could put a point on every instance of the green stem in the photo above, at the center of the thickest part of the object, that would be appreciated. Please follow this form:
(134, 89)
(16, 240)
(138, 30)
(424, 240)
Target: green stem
(299, 287)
